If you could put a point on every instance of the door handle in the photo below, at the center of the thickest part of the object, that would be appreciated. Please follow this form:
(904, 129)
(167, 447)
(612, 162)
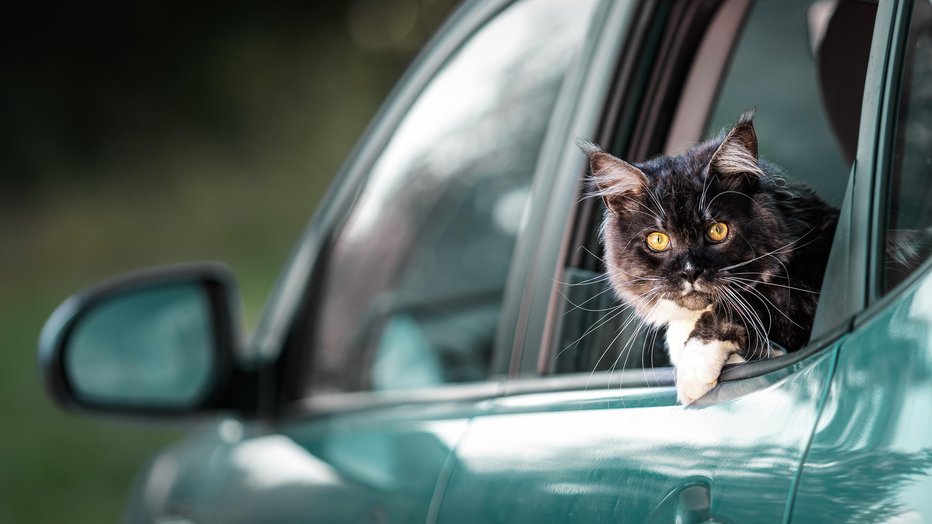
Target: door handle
(694, 505)
(688, 503)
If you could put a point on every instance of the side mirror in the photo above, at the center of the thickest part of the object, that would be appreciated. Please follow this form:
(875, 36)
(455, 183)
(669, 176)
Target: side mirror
(156, 342)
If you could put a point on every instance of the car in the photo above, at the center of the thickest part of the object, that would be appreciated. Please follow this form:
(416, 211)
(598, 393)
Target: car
(441, 347)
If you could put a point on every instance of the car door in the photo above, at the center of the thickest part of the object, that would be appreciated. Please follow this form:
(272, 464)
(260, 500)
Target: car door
(377, 365)
(871, 455)
(589, 429)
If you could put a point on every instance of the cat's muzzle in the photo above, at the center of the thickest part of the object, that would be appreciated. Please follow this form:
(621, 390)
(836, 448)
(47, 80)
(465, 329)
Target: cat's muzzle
(694, 300)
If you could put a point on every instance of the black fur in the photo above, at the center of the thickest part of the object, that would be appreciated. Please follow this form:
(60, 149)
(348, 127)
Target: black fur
(781, 226)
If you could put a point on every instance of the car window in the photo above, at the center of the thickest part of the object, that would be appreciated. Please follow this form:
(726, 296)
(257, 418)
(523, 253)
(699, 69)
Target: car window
(415, 278)
(909, 213)
(775, 68)
(801, 64)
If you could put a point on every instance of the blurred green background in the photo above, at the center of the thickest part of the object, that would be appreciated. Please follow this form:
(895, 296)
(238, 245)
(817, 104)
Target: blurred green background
(141, 133)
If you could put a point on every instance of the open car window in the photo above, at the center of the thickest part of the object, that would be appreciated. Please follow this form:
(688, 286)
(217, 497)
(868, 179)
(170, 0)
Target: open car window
(787, 64)
(414, 281)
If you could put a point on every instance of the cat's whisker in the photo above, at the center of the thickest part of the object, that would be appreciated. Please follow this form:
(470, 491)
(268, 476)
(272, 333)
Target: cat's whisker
(627, 352)
(761, 332)
(764, 276)
(609, 346)
(747, 312)
(610, 271)
(588, 282)
(590, 299)
(746, 241)
(732, 306)
(619, 271)
(728, 312)
(706, 183)
(778, 250)
(608, 317)
(760, 296)
(756, 273)
(656, 200)
(741, 317)
(755, 202)
(593, 255)
(653, 344)
(785, 270)
(756, 294)
(787, 249)
(794, 288)
(647, 211)
(624, 350)
(605, 352)
(650, 213)
(584, 302)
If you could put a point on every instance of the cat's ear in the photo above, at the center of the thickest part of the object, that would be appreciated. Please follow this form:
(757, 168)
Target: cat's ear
(735, 160)
(614, 179)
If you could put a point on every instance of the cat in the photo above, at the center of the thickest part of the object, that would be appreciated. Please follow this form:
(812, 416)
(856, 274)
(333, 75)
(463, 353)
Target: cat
(716, 245)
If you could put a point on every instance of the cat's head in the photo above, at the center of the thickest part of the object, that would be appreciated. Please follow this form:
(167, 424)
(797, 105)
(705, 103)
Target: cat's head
(686, 228)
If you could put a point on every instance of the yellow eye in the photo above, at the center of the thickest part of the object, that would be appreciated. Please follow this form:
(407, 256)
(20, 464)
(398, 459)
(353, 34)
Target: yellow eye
(717, 232)
(658, 241)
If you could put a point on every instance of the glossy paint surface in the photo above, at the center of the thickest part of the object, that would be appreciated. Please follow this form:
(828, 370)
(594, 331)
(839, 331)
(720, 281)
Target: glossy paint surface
(364, 466)
(626, 455)
(871, 457)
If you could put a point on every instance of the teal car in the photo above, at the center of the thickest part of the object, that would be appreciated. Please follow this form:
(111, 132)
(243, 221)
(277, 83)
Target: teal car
(441, 348)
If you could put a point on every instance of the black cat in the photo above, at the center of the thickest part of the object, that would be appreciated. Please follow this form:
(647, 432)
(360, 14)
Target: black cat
(718, 246)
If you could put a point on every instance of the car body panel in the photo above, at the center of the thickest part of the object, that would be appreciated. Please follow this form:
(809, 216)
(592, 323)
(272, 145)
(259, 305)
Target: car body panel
(375, 464)
(605, 454)
(871, 456)
(367, 466)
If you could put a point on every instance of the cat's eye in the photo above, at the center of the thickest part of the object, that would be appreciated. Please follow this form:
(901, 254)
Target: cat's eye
(717, 232)
(658, 241)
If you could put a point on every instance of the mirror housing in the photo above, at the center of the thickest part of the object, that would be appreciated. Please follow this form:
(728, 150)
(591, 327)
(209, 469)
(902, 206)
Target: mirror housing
(154, 342)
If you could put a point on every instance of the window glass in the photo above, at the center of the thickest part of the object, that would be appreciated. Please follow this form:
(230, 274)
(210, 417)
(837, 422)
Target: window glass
(415, 279)
(801, 63)
(909, 216)
(776, 68)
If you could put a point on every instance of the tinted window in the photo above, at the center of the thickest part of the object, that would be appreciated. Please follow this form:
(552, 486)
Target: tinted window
(417, 272)
(909, 217)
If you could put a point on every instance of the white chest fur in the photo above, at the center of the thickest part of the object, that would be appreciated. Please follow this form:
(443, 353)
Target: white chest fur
(680, 323)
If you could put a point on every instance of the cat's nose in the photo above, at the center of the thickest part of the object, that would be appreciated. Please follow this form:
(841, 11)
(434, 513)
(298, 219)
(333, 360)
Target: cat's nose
(690, 273)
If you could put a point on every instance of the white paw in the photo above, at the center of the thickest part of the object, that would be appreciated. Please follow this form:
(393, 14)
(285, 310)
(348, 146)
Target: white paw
(735, 358)
(699, 367)
(691, 389)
